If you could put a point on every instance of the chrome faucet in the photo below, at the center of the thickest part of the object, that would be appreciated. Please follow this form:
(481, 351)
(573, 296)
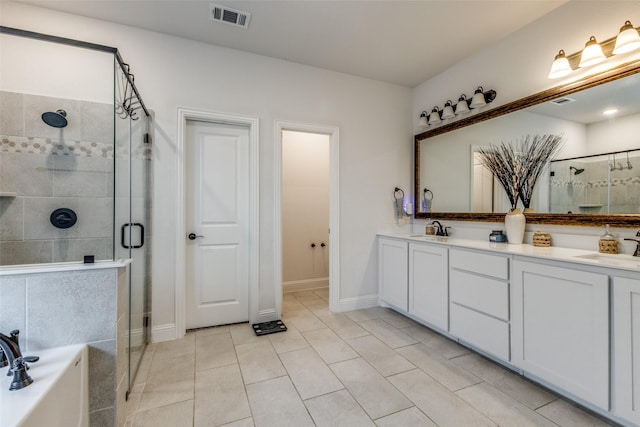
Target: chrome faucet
(440, 231)
(637, 240)
(17, 363)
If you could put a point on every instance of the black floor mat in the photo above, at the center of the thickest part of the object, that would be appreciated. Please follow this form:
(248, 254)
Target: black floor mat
(272, 327)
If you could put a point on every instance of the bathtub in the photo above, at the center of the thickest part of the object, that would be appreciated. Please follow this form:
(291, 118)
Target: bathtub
(58, 396)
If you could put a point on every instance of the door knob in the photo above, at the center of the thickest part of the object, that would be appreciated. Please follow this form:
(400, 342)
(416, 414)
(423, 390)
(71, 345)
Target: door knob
(194, 236)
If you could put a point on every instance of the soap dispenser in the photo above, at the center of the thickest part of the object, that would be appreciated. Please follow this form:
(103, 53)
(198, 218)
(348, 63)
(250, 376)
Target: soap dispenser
(607, 244)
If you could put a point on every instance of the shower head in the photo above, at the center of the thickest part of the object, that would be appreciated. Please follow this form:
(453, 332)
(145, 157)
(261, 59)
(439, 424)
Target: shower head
(56, 120)
(575, 170)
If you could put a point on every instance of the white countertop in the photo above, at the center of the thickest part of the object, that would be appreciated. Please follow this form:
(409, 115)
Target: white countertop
(10, 270)
(622, 261)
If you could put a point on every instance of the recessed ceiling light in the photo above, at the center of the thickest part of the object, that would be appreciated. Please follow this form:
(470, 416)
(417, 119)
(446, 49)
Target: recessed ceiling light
(610, 111)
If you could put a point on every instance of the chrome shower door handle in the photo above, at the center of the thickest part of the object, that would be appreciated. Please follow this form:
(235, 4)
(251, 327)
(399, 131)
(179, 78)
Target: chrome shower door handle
(194, 236)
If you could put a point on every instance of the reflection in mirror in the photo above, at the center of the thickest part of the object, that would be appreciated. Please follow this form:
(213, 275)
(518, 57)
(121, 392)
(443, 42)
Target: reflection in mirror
(599, 184)
(446, 164)
(486, 193)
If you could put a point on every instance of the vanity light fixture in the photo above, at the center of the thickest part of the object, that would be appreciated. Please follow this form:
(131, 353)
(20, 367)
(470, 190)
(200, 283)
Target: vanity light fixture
(627, 40)
(447, 111)
(610, 111)
(592, 53)
(434, 117)
(462, 107)
(560, 66)
(478, 99)
(423, 120)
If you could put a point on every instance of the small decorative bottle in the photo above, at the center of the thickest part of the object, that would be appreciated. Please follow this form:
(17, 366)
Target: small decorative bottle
(607, 244)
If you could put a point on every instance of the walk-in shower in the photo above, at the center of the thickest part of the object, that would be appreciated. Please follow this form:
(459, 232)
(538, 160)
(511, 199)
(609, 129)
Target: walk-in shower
(75, 178)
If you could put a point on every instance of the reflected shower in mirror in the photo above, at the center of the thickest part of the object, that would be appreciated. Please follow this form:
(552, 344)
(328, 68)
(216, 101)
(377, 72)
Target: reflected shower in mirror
(599, 184)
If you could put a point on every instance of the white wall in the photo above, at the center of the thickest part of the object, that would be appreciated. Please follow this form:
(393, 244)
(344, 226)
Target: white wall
(375, 132)
(618, 134)
(517, 67)
(305, 210)
(50, 69)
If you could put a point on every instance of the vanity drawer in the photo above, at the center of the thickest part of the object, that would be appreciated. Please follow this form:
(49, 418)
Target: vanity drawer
(482, 263)
(481, 293)
(479, 330)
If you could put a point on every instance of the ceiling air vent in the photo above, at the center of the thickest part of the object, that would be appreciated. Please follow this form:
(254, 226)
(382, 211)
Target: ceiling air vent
(561, 101)
(230, 16)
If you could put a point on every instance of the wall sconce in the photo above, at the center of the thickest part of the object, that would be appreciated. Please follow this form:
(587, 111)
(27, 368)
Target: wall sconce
(592, 53)
(560, 66)
(423, 120)
(627, 40)
(480, 99)
(447, 111)
(434, 117)
(462, 107)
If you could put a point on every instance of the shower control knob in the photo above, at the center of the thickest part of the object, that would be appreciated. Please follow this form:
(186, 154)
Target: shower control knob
(194, 236)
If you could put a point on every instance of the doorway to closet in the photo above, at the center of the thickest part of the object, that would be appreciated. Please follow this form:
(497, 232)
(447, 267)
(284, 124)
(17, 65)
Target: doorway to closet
(308, 212)
(305, 211)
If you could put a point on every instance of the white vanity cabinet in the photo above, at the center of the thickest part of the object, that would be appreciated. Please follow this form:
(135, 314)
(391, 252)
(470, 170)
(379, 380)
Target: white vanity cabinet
(429, 284)
(626, 350)
(479, 300)
(393, 261)
(560, 327)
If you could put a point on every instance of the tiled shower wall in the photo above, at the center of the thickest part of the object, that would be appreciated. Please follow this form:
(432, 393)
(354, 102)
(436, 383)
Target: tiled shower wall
(44, 168)
(588, 191)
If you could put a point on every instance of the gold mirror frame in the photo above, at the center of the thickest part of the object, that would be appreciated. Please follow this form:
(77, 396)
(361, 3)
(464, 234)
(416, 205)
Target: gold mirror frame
(618, 220)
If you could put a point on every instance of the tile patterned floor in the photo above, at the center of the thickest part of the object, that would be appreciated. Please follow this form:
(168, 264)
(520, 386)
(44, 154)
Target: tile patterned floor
(369, 367)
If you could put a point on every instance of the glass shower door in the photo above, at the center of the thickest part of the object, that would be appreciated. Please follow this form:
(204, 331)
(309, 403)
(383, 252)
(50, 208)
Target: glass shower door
(139, 242)
(132, 218)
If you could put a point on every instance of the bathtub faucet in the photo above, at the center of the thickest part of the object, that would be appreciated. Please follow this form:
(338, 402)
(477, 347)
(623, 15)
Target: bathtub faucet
(17, 364)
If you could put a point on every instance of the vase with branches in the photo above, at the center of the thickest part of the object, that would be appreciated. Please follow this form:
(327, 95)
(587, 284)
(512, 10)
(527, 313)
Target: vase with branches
(518, 165)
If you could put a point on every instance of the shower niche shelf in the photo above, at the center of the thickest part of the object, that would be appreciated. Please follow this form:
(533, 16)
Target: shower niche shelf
(8, 194)
(590, 205)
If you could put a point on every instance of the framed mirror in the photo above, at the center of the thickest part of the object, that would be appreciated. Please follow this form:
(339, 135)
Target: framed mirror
(446, 166)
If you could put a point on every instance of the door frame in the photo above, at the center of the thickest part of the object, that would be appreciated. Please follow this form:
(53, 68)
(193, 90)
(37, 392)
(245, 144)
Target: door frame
(184, 115)
(334, 208)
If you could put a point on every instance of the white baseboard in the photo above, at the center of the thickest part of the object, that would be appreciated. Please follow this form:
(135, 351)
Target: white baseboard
(164, 332)
(348, 304)
(306, 284)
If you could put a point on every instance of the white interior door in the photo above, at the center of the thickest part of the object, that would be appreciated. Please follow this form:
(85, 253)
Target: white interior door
(217, 223)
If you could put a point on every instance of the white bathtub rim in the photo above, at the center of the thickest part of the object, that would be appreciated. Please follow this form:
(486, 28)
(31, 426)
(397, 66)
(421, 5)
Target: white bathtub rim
(18, 405)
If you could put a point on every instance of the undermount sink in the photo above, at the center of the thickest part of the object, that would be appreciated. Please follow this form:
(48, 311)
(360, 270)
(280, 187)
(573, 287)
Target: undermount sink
(431, 237)
(436, 238)
(612, 259)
